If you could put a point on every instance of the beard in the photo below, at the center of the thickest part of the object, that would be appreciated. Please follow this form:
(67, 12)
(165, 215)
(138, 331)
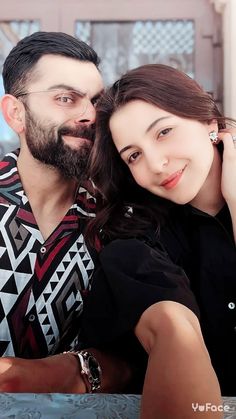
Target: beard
(47, 145)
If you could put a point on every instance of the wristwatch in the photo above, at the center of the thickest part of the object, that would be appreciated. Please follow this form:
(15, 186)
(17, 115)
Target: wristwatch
(90, 370)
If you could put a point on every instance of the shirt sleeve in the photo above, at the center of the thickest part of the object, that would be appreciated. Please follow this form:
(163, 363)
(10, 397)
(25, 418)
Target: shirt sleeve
(132, 276)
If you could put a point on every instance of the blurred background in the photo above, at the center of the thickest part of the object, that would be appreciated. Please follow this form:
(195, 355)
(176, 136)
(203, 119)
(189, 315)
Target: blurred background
(196, 36)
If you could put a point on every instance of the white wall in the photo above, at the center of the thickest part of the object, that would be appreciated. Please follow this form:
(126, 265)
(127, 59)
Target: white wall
(228, 10)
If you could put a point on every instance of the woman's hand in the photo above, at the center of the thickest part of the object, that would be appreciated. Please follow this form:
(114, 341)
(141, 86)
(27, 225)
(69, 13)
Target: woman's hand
(228, 179)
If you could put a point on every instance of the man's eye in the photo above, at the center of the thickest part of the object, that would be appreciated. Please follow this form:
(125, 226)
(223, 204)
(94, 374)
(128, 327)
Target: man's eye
(65, 98)
(94, 101)
(133, 157)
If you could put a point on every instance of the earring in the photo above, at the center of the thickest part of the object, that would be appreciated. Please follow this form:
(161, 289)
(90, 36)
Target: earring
(213, 137)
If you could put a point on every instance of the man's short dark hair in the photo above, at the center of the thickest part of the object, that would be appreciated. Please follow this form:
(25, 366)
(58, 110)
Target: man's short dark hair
(22, 59)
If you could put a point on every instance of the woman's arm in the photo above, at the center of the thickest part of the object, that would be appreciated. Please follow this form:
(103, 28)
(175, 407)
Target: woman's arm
(179, 375)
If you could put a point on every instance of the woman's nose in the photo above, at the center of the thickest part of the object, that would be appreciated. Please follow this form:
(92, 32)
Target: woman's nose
(156, 163)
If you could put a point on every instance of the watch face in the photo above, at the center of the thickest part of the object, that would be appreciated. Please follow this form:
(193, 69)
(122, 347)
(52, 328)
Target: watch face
(94, 368)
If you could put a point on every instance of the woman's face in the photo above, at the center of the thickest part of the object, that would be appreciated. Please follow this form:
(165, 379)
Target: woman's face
(167, 155)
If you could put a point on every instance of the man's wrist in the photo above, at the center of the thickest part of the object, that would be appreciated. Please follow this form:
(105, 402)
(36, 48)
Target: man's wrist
(89, 368)
(78, 382)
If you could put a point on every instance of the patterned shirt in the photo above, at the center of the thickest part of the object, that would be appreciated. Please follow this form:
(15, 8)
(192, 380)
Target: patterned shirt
(42, 283)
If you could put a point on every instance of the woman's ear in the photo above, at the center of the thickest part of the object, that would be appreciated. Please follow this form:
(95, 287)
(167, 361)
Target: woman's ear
(13, 112)
(213, 126)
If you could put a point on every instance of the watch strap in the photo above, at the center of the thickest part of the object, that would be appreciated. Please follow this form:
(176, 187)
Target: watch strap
(90, 369)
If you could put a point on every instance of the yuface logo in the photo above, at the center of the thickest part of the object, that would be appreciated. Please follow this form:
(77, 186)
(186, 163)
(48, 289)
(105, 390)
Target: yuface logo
(209, 407)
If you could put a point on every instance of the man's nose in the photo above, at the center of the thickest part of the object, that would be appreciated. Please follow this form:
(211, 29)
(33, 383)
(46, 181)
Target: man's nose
(87, 116)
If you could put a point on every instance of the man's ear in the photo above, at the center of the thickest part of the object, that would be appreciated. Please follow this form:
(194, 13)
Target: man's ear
(13, 112)
(213, 126)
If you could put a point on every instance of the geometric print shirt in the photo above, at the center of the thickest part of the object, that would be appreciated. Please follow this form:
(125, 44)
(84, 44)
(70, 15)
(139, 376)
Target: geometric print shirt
(42, 283)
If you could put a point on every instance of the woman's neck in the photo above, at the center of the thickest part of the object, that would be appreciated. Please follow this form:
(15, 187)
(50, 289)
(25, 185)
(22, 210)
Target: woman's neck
(210, 198)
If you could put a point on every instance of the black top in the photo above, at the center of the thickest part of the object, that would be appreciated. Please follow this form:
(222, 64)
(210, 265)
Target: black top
(192, 262)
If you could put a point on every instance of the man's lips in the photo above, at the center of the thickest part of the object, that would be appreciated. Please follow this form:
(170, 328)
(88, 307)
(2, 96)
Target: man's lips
(173, 179)
(75, 137)
(80, 133)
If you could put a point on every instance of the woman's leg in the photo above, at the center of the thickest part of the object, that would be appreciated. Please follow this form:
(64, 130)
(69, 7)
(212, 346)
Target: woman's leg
(179, 375)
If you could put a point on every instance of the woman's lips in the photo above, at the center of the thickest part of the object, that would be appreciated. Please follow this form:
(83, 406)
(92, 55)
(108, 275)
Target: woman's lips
(172, 180)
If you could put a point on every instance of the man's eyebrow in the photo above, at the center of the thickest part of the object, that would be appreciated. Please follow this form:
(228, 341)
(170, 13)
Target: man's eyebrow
(66, 88)
(147, 130)
(156, 122)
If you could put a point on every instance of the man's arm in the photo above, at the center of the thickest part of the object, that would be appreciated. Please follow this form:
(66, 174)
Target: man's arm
(61, 374)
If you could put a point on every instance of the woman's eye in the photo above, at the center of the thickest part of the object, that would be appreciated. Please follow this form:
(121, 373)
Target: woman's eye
(133, 157)
(164, 132)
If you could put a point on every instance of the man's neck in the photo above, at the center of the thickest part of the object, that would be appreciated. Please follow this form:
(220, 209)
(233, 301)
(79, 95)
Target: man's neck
(49, 193)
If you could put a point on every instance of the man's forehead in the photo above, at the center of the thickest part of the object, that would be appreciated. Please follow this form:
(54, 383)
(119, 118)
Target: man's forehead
(52, 70)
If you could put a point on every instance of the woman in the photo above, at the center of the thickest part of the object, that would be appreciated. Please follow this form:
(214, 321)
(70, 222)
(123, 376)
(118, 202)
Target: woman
(165, 167)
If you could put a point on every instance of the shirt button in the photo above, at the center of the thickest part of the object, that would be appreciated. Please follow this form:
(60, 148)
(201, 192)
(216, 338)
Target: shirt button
(43, 249)
(231, 306)
(31, 317)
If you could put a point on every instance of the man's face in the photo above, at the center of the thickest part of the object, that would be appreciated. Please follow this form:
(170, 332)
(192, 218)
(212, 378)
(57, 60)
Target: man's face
(60, 113)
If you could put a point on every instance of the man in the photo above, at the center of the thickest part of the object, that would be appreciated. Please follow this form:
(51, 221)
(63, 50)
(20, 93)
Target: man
(51, 82)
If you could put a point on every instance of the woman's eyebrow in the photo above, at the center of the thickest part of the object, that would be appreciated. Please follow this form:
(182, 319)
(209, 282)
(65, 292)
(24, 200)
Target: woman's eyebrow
(125, 148)
(147, 130)
(156, 122)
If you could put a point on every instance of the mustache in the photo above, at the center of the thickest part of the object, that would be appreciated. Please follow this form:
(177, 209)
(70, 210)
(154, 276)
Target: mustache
(85, 132)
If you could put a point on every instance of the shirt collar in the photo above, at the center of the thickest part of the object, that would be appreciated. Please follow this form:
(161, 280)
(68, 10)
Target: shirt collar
(12, 193)
(11, 189)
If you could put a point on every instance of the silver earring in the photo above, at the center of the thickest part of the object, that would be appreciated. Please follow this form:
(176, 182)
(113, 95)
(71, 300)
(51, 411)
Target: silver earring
(213, 137)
